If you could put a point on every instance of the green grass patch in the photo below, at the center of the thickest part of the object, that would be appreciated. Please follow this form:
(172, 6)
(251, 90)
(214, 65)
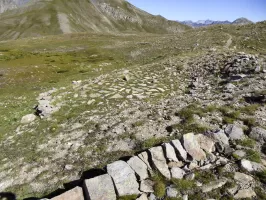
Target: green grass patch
(253, 156)
(191, 127)
(128, 197)
(183, 184)
(159, 185)
(250, 122)
(261, 195)
(187, 113)
(151, 142)
(247, 142)
(250, 109)
(204, 177)
(261, 176)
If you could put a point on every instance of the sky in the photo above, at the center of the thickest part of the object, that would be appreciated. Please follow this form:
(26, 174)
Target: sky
(254, 10)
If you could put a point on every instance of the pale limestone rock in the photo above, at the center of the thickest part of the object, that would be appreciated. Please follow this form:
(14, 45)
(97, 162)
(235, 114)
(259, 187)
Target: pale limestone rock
(147, 186)
(177, 173)
(234, 132)
(205, 143)
(100, 188)
(170, 152)
(74, 194)
(192, 146)
(159, 161)
(139, 167)
(124, 178)
(143, 197)
(246, 193)
(179, 148)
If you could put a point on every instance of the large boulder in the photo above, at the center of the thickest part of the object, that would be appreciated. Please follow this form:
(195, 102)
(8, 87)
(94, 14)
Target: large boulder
(139, 167)
(124, 178)
(159, 161)
(205, 143)
(170, 152)
(258, 134)
(74, 194)
(234, 132)
(100, 188)
(179, 149)
(192, 146)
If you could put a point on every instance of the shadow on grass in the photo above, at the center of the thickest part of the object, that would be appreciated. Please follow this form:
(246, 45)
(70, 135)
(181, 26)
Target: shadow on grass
(68, 186)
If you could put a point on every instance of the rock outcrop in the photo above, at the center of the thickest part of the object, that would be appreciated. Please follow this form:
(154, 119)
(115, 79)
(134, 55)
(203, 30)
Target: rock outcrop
(121, 179)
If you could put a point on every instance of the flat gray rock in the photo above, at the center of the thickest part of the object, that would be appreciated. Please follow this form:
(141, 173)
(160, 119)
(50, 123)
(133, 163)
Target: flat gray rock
(124, 178)
(159, 161)
(143, 197)
(205, 143)
(100, 188)
(152, 197)
(192, 146)
(258, 134)
(172, 192)
(220, 137)
(243, 180)
(179, 148)
(147, 186)
(145, 158)
(170, 152)
(74, 194)
(246, 193)
(213, 185)
(139, 167)
(177, 173)
(234, 132)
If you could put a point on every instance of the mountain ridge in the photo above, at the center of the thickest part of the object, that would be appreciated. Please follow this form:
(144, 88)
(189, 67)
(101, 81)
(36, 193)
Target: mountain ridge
(208, 22)
(103, 16)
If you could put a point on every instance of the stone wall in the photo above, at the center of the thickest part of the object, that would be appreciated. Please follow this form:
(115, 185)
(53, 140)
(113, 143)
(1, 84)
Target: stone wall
(178, 159)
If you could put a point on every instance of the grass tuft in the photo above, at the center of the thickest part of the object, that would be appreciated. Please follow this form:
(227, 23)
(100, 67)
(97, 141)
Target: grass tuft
(128, 197)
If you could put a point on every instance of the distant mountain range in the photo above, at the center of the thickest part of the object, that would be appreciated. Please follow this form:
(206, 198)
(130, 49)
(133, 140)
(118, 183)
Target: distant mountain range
(203, 23)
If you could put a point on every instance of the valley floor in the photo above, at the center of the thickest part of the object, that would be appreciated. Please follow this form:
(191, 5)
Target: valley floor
(101, 97)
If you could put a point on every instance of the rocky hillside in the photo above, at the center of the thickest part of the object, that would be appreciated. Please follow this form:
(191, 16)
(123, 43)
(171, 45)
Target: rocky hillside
(60, 16)
(72, 104)
(217, 165)
(242, 21)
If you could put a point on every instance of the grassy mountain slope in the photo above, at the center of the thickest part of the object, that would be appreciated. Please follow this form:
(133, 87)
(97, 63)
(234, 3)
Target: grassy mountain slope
(60, 16)
(33, 157)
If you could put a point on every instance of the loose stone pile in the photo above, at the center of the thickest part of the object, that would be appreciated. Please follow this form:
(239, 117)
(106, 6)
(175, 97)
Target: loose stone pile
(176, 160)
